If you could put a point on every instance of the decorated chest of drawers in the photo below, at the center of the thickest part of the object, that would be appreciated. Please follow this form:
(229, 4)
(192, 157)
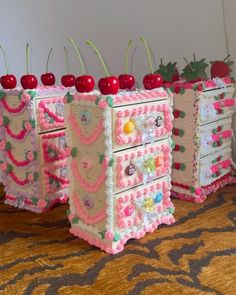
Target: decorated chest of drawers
(33, 147)
(202, 159)
(120, 165)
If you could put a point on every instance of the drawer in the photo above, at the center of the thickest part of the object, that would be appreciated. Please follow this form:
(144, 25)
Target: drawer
(55, 178)
(141, 165)
(141, 123)
(53, 146)
(143, 206)
(50, 113)
(215, 166)
(215, 136)
(216, 104)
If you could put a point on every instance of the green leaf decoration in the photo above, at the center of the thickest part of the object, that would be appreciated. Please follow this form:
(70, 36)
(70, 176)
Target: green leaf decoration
(182, 90)
(192, 189)
(195, 70)
(9, 168)
(171, 210)
(182, 149)
(75, 220)
(36, 176)
(68, 212)
(73, 152)
(69, 97)
(182, 167)
(116, 237)
(2, 94)
(195, 87)
(167, 71)
(8, 146)
(34, 200)
(109, 100)
(182, 114)
(172, 89)
(32, 123)
(97, 100)
(35, 155)
(102, 233)
(5, 121)
(51, 180)
(32, 94)
(19, 94)
(111, 162)
(172, 144)
(101, 158)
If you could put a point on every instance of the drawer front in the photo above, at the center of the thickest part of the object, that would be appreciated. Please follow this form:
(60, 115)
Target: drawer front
(55, 178)
(141, 123)
(53, 146)
(216, 104)
(215, 166)
(50, 113)
(141, 165)
(215, 136)
(144, 205)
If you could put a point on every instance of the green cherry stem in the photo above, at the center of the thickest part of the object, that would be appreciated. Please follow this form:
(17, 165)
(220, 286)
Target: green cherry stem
(161, 61)
(49, 54)
(227, 57)
(194, 57)
(127, 56)
(90, 43)
(78, 54)
(148, 53)
(27, 58)
(188, 63)
(66, 60)
(5, 59)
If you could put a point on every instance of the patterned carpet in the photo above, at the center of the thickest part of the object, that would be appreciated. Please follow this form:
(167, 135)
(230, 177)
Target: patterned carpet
(195, 256)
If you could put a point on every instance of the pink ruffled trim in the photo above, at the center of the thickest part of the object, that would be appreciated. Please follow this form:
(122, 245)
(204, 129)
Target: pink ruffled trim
(89, 187)
(83, 214)
(83, 138)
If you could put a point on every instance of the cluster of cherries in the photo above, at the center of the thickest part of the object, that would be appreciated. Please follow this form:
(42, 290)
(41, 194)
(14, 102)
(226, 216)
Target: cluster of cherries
(108, 84)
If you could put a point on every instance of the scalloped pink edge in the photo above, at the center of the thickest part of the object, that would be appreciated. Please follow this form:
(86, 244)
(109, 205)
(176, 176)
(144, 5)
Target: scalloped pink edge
(116, 247)
(219, 183)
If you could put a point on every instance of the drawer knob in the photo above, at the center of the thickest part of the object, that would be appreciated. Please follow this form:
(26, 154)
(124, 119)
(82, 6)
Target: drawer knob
(129, 127)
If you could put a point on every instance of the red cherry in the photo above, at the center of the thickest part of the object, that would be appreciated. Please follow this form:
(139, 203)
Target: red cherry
(177, 166)
(108, 85)
(8, 81)
(84, 83)
(151, 81)
(48, 79)
(176, 113)
(126, 81)
(29, 81)
(68, 80)
(219, 69)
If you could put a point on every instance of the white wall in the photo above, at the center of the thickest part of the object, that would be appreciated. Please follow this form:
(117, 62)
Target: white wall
(229, 7)
(173, 29)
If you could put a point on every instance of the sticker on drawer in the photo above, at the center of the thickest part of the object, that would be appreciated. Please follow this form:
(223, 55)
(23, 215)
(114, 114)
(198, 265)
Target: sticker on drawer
(144, 205)
(55, 177)
(142, 123)
(54, 146)
(141, 165)
(50, 113)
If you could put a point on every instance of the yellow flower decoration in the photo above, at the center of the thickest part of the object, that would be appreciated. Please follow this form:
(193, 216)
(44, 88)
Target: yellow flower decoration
(149, 204)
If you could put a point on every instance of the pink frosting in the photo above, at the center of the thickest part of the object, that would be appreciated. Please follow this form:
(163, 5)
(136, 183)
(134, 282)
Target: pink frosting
(82, 137)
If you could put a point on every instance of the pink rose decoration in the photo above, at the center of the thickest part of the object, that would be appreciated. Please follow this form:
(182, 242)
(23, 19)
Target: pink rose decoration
(102, 104)
(109, 235)
(28, 126)
(30, 177)
(198, 191)
(2, 145)
(30, 156)
(42, 204)
(25, 97)
(3, 166)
